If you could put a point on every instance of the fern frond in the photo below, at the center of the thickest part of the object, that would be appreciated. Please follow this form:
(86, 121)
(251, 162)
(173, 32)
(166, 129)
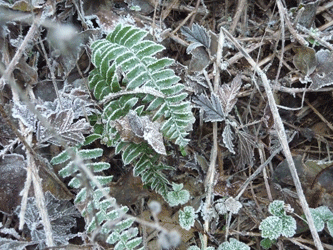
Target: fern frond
(124, 53)
(102, 215)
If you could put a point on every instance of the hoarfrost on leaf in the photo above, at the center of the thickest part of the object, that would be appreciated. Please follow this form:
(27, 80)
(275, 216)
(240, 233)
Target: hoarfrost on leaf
(233, 244)
(288, 226)
(246, 146)
(198, 35)
(213, 107)
(187, 217)
(228, 136)
(277, 208)
(233, 205)
(318, 221)
(69, 132)
(228, 94)
(220, 206)
(178, 196)
(9, 244)
(62, 216)
(271, 227)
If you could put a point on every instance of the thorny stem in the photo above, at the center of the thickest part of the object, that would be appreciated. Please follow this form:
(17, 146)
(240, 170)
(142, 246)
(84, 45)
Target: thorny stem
(211, 171)
(282, 138)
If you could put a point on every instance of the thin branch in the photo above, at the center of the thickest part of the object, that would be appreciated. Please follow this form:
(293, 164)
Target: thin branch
(211, 171)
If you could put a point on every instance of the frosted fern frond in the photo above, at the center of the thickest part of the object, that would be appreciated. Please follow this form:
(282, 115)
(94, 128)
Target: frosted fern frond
(103, 216)
(124, 61)
(146, 165)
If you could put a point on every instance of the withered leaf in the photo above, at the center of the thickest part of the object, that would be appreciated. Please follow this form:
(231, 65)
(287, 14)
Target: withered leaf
(213, 107)
(323, 76)
(228, 94)
(135, 128)
(228, 137)
(246, 146)
(62, 123)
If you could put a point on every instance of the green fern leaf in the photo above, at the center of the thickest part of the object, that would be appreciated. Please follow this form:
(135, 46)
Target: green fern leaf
(125, 50)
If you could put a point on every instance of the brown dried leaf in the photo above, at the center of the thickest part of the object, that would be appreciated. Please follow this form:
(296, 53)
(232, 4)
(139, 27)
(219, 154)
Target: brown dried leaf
(228, 94)
(62, 123)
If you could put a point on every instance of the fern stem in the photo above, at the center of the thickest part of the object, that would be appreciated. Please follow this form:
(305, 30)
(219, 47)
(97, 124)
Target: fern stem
(142, 90)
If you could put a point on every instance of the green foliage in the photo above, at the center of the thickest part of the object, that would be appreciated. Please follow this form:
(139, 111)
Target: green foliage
(187, 217)
(103, 216)
(322, 215)
(278, 224)
(177, 196)
(267, 243)
(125, 50)
(233, 244)
(126, 63)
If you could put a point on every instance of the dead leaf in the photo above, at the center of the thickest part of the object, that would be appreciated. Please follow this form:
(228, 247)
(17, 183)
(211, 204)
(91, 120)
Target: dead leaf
(62, 122)
(135, 128)
(305, 59)
(12, 178)
(323, 76)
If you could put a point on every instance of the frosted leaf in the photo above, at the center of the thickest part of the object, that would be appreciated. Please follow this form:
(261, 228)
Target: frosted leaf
(197, 82)
(193, 248)
(228, 136)
(9, 244)
(213, 107)
(246, 145)
(220, 206)
(133, 128)
(323, 76)
(187, 217)
(177, 196)
(318, 221)
(20, 111)
(233, 244)
(208, 213)
(153, 136)
(324, 212)
(69, 132)
(330, 226)
(288, 226)
(233, 205)
(61, 214)
(228, 94)
(277, 208)
(198, 35)
(78, 100)
(271, 227)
